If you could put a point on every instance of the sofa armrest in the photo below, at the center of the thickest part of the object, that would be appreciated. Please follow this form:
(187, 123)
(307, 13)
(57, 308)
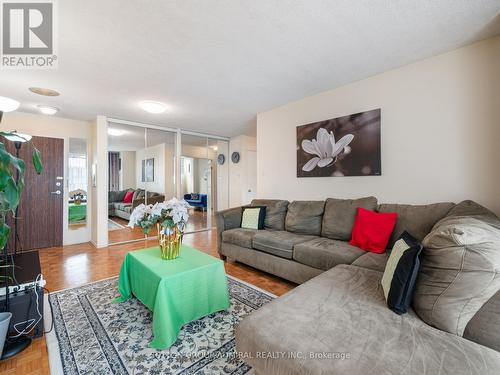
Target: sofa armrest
(225, 220)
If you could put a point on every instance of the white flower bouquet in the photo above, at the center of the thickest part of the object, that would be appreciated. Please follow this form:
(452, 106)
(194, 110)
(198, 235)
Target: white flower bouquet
(169, 214)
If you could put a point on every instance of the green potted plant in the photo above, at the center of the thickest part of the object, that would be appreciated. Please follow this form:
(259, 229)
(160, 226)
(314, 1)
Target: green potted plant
(11, 186)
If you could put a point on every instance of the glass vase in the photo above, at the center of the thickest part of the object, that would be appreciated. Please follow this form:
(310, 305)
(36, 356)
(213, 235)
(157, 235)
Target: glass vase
(170, 241)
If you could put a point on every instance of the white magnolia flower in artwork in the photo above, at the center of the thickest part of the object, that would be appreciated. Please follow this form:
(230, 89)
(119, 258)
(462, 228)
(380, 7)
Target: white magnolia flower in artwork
(325, 148)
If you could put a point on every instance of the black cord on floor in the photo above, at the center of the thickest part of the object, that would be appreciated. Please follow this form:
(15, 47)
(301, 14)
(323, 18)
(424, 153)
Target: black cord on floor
(51, 314)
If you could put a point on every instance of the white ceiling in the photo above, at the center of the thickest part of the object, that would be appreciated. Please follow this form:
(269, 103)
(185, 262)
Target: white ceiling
(218, 63)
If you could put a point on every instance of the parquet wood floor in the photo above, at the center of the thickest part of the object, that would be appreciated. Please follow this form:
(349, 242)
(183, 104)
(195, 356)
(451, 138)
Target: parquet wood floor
(70, 266)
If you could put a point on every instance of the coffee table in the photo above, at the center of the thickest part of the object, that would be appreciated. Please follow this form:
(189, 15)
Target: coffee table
(177, 291)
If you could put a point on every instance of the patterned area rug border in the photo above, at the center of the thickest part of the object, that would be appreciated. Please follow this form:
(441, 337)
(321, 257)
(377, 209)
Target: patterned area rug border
(64, 361)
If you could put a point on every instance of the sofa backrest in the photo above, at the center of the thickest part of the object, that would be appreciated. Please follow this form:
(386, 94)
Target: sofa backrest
(340, 214)
(418, 220)
(305, 217)
(275, 212)
(484, 327)
(460, 271)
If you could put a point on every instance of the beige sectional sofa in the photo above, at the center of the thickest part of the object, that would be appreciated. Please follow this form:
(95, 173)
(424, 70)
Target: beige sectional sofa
(337, 321)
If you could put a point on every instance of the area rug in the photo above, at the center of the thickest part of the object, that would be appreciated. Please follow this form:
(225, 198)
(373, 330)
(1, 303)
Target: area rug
(92, 335)
(113, 225)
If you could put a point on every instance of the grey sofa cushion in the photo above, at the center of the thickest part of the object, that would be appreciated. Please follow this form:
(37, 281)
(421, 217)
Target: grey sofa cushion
(324, 253)
(471, 208)
(304, 217)
(460, 272)
(126, 207)
(417, 220)
(340, 214)
(343, 311)
(139, 194)
(484, 327)
(275, 212)
(279, 243)
(239, 236)
(372, 261)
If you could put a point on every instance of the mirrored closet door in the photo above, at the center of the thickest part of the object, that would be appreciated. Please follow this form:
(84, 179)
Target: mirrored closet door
(204, 178)
(126, 145)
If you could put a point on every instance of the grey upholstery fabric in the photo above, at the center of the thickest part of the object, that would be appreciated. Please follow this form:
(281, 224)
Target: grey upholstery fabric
(304, 217)
(460, 272)
(239, 236)
(281, 267)
(279, 243)
(417, 220)
(226, 219)
(343, 311)
(324, 253)
(340, 214)
(372, 261)
(275, 212)
(139, 194)
(470, 208)
(484, 327)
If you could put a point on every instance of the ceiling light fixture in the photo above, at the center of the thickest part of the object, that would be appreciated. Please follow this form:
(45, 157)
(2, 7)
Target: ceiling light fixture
(47, 110)
(43, 91)
(7, 105)
(116, 132)
(153, 107)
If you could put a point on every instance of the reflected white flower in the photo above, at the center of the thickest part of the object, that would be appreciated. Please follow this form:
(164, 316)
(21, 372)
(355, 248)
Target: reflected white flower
(174, 209)
(325, 148)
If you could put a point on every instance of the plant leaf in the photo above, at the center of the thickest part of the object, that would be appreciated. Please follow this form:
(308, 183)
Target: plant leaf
(4, 235)
(37, 160)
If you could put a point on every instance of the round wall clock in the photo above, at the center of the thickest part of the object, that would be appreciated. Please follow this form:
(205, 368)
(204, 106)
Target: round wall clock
(235, 157)
(221, 159)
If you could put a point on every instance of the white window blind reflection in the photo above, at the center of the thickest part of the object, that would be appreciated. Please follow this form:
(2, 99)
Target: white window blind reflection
(77, 172)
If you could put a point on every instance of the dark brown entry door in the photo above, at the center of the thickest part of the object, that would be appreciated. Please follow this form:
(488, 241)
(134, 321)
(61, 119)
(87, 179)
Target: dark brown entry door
(40, 216)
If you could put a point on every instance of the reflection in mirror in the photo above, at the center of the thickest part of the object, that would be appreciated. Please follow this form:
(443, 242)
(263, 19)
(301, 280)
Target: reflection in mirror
(200, 178)
(125, 186)
(158, 167)
(77, 183)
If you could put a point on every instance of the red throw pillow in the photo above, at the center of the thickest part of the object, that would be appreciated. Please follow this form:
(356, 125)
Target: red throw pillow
(372, 230)
(128, 197)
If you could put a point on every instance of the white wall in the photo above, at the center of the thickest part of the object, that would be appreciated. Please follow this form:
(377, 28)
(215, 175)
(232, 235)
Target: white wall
(158, 154)
(127, 171)
(440, 133)
(239, 178)
(55, 127)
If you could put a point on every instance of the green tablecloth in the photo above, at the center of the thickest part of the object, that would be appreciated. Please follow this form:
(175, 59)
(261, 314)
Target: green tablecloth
(77, 212)
(176, 291)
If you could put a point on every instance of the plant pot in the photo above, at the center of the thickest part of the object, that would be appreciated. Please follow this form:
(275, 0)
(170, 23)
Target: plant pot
(4, 327)
(170, 241)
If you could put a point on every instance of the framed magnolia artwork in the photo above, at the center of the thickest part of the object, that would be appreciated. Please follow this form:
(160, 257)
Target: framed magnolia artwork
(343, 146)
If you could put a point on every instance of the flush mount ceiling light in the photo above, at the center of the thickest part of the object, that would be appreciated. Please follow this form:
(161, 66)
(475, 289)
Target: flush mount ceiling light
(47, 110)
(43, 91)
(8, 104)
(153, 107)
(116, 132)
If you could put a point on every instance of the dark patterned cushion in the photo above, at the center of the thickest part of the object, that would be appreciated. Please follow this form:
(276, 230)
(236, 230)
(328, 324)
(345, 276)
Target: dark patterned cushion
(401, 273)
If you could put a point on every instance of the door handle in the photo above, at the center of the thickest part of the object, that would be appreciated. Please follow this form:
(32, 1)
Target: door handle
(57, 192)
